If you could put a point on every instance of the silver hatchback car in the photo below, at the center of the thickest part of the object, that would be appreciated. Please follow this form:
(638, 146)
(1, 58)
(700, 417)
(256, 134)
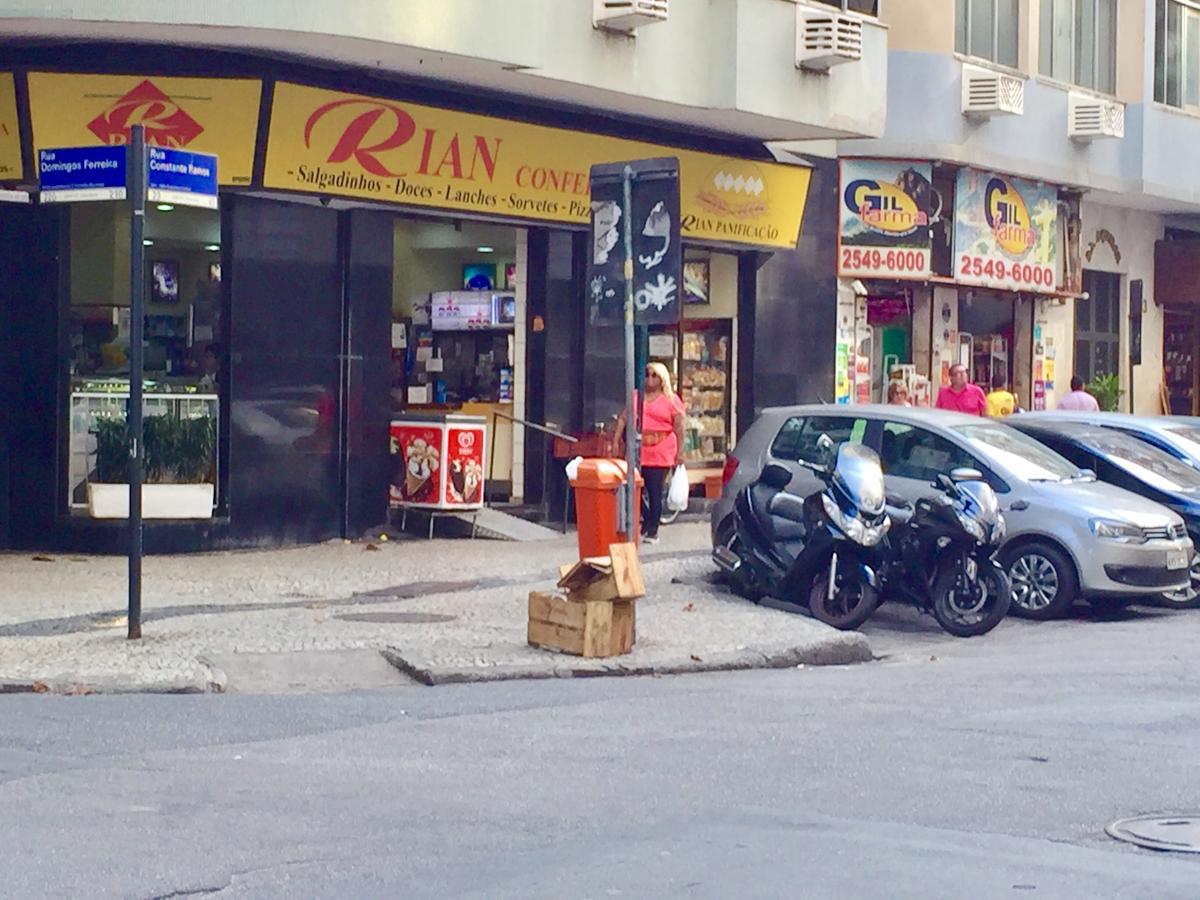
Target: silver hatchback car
(1069, 536)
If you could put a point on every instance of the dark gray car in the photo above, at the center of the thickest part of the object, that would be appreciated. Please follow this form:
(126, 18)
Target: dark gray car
(1069, 536)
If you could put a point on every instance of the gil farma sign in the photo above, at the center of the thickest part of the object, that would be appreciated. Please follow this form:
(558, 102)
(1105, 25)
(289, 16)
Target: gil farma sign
(349, 145)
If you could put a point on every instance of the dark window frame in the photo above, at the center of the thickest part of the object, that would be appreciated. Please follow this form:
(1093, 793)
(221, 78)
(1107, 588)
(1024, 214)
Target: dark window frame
(1104, 302)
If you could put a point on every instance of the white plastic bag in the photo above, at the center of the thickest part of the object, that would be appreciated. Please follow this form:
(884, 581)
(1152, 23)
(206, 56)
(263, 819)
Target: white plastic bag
(573, 468)
(677, 493)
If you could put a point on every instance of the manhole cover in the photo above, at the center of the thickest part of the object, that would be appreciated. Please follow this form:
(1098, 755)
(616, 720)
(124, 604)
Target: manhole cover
(397, 618)
(1178, 833)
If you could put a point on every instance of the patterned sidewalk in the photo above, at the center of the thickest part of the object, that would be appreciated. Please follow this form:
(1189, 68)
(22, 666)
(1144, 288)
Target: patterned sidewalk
(441, 611)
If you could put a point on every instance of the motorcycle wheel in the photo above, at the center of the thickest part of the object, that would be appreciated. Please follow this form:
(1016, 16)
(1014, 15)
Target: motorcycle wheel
(853, 601)
(974, 608)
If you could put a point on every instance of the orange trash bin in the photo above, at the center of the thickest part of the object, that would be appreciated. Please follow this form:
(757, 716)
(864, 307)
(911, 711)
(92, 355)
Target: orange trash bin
(597, 489)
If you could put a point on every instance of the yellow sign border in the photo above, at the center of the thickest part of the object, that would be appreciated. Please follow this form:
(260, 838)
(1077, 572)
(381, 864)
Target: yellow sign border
(12, 165)
(62, 104)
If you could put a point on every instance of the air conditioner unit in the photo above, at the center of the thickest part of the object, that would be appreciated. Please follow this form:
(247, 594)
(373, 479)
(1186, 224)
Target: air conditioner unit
(1091, 117)
(826, 39)
(987, 93)
(626, 15)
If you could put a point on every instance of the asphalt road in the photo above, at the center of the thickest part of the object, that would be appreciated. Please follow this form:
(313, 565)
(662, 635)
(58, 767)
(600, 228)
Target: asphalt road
(983, 768)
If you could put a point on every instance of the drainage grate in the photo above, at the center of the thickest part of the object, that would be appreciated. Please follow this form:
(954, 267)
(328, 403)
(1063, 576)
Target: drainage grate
(1179, 833)
(396, 618)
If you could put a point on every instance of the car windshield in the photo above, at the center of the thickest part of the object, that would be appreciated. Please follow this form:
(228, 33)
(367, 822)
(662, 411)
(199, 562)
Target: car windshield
(1144, 462)
(1019, 453)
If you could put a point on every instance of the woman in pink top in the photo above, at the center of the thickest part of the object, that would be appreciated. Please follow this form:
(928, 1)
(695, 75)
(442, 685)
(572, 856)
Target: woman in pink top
(662, 441)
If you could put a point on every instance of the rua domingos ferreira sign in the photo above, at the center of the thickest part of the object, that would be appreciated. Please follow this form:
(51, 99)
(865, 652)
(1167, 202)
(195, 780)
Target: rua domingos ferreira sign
(657, 248)
(78, 174)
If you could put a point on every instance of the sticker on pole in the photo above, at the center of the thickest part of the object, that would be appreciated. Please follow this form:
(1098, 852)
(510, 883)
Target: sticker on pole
(77, 174)
(181, 177)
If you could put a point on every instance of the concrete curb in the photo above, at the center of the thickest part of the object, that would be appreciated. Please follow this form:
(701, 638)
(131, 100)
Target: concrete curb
(81, 684)
(840, 648)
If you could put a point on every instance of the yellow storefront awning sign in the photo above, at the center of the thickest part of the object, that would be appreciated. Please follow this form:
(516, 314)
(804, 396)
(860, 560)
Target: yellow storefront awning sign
(349, 145)
(204, 115)
(10, 132)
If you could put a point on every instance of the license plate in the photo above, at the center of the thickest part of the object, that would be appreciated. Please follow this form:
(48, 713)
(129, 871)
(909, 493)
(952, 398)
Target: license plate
(1177, 559)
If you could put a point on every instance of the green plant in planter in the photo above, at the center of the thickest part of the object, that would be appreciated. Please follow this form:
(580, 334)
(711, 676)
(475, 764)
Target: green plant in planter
(159, 438)
(195, 440)
(112, 450)
(175, 450)
(1107, 391)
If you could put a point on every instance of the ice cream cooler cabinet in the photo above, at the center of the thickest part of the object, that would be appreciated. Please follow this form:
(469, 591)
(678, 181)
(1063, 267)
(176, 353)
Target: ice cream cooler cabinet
(439, 461)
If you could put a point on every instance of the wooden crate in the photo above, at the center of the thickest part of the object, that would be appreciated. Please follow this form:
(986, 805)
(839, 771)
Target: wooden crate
(617, 576)
(589, 628)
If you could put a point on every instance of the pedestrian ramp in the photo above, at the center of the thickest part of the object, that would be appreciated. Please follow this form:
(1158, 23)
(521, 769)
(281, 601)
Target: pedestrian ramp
(501, 526)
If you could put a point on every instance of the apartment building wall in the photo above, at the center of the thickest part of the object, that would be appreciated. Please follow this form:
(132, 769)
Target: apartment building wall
(722, 65)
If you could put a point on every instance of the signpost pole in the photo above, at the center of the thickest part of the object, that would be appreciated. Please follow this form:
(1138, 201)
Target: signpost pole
(631, 423)
(137, 303)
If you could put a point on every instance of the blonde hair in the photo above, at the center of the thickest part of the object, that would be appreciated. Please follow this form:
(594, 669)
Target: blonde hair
(664, 376)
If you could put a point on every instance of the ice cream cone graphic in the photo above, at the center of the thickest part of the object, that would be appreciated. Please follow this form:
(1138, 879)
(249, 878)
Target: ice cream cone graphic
(413, 483)
(421, 461)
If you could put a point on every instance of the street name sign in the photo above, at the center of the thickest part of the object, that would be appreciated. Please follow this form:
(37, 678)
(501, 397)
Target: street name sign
(182, 178)
(74, 174)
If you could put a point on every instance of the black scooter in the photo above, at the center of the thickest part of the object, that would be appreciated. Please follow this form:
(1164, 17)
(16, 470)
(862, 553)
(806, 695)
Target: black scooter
(939, 555)
(811, 551)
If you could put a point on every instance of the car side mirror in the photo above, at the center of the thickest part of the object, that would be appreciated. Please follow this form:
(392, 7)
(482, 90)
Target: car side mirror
(1088, 473)
(964, 473)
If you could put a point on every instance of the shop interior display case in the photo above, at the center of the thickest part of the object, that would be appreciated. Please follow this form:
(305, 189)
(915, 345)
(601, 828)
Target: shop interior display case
(99, 399)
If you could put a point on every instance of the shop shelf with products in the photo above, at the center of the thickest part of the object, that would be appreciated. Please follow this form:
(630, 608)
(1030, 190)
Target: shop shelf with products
(1179, 362)
(989, 357)
(705, 387)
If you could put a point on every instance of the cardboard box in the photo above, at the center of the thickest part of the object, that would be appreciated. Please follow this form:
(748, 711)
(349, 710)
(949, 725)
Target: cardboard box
(596, 617)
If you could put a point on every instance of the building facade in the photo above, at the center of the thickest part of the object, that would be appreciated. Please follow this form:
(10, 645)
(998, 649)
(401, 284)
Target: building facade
(403, 226)
(1053, 135)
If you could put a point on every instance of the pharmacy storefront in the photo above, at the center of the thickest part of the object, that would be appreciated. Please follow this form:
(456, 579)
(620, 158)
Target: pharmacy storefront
(941, 265)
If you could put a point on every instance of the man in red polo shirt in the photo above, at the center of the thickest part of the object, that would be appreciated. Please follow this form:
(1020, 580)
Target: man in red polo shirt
(962, 396)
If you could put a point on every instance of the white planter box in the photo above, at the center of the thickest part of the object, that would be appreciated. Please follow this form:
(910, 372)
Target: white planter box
(159, 501)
